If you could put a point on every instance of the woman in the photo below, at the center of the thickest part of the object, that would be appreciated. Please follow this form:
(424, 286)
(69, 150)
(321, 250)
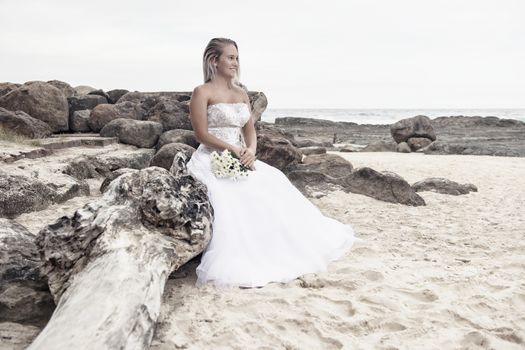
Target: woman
(264, 229)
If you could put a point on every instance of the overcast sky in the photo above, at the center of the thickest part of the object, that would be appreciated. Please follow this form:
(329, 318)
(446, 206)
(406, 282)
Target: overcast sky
(301, 54)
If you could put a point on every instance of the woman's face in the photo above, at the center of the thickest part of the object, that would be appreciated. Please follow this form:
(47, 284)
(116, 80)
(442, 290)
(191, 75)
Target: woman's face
(228, 62)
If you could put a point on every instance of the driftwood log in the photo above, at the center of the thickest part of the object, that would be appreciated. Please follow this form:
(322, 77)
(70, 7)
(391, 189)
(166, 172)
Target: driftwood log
(107, 264)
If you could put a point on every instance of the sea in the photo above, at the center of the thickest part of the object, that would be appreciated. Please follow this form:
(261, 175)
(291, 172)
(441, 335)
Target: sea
(386, 116)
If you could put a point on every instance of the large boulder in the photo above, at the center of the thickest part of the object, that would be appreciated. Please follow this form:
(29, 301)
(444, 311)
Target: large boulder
(66, 89)
(178, 135)
(24, 294)
(79, 121)
(116, 94)
(139, 133)
(79, 103)
(7, 87)
(104, 113)
(171, 113)
(418, 126)
(83, 89)
(164, 157)
(23, 124)
(277, 151)
(444, 186)
(42, 101)
(386, 186)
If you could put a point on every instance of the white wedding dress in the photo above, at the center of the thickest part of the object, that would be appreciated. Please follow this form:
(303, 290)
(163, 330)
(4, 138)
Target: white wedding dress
(264, 229)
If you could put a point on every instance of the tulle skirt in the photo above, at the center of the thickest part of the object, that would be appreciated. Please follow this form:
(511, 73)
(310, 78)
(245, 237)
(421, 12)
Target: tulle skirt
(264, 229)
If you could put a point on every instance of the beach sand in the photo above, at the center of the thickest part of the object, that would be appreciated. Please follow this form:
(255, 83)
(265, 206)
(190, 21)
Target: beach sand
(448, 275)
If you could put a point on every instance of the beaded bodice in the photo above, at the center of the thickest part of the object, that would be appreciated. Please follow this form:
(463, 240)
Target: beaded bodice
(225, 121)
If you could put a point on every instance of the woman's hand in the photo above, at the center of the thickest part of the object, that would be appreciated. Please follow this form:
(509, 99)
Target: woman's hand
(248, 157)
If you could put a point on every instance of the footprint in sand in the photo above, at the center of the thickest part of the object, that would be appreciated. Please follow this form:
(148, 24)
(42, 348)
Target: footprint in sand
(426, 295)
(373, 275)
(330, 307)
(475, 338)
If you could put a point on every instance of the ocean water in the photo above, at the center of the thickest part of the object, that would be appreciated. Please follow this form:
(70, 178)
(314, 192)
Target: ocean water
(387, 116)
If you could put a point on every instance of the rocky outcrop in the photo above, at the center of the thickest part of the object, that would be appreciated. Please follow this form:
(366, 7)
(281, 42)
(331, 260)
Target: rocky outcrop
(140, 133)
(104, 113)
(24, 294)
(41, 101)
(475, 121)
(416, 143)
(107, 263)
(23, 124)
(473, 148)
(445, 186)
(83, 90)
(7, 87)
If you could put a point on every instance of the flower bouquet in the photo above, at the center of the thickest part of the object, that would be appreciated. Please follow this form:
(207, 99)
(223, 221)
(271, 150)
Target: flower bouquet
(226, 164)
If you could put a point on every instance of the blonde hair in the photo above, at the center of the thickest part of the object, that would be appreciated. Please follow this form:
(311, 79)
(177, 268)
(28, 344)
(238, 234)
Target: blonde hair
(212, 52)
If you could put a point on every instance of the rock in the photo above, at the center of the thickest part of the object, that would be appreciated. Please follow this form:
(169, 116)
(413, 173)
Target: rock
(445, 186)
(380, 146)
(144, 134)
(180, 136)
(403, 147)
(79, 103)
(23, 194)
(7, 87)
(311, 182)
(311, 143)
(23, 124)
(328, 164)
(41, 101)
(164, 157)
(272, 131)
(416, 143)
(385, 186)
(137, 159)
(101, 93)
(278, 152)
(104, 113)
(79, 121)
(418, 126)
(87, 167)
(116, 94)
(24, 294)
(469, 121)
(114, 256)
(112, 176)
(312, 150)
(258, 102)
(311, 122)
(83, 90)
(66, 89)
(171, 113)
(472, 148)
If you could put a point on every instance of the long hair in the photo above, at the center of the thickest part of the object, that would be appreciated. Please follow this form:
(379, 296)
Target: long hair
(212, 52)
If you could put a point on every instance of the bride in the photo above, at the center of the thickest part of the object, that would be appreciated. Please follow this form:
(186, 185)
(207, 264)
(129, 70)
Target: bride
(264, 229)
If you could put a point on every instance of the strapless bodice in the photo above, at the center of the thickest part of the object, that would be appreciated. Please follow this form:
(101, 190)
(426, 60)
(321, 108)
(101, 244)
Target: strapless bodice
(225, 121)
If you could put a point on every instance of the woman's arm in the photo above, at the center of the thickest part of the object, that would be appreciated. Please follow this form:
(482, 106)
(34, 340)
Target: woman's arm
(250, 138)
(199, 122)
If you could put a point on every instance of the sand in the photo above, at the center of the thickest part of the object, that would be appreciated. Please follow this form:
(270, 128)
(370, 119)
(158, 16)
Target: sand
(448, 275)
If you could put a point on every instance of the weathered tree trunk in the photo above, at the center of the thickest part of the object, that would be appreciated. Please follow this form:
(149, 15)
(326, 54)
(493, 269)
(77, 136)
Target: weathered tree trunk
(108, 263)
